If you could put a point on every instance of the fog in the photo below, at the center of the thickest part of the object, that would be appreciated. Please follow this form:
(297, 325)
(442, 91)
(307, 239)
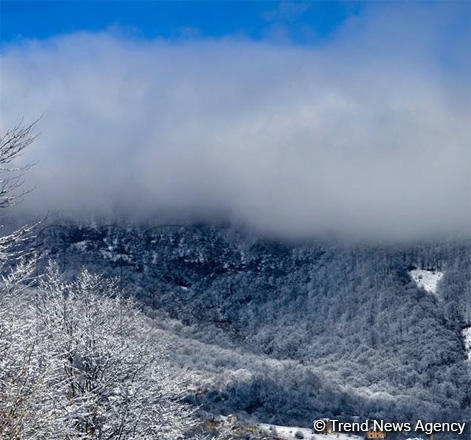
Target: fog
(366, 134)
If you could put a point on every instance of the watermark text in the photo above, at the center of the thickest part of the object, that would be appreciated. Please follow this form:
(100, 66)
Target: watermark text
(420, 426)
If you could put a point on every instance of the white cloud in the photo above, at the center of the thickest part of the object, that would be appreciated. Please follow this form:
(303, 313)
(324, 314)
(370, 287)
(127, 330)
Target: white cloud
(341, 138)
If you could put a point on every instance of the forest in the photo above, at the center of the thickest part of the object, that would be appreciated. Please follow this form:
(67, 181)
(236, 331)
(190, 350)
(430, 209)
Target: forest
(295, 331)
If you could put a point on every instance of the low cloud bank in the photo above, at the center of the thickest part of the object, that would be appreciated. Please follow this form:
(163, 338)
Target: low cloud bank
(366, 135)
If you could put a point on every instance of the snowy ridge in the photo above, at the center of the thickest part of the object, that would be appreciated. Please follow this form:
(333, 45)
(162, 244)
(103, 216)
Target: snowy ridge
(426, 279)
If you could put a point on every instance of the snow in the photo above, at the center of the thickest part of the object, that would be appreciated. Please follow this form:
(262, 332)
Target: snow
(426, 279)
(115, 257)
(81, 245)
(467, 340)
(289, 433)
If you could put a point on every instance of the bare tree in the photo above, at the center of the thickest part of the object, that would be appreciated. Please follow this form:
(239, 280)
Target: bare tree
(12, 144)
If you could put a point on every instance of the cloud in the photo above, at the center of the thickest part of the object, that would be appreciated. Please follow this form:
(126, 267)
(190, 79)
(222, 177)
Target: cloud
(365, 136)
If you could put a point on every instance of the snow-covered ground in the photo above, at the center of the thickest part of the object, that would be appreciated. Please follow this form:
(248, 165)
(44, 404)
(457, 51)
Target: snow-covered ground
(467, 340)
(427, 279)
(295, 433)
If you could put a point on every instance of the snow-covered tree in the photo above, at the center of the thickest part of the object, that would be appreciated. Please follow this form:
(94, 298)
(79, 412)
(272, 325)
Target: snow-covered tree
(20, 374)
(112, 378)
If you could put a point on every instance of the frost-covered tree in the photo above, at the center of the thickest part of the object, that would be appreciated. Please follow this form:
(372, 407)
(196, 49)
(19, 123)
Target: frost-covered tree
(112, 379)
(82, 362)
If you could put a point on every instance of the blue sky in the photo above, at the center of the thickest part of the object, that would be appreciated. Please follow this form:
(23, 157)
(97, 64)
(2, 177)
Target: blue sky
(299, 21)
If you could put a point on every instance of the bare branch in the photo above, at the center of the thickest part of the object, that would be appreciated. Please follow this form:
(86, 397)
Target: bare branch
(15, 140)
(12, 144)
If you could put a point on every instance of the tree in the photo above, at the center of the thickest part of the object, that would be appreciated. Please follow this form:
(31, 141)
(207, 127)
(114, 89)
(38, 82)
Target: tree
(12, 144)
(19, 376)
(111, 375)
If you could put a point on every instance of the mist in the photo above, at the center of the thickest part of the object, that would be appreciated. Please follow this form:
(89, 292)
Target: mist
(364, 135)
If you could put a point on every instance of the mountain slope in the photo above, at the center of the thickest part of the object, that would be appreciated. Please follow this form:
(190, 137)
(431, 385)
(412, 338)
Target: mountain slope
(349, 330)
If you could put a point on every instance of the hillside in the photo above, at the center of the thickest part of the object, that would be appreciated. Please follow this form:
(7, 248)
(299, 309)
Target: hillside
(289, 332)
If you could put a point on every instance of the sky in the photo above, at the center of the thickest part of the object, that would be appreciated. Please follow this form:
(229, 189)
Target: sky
(299, 119)
(303, 21)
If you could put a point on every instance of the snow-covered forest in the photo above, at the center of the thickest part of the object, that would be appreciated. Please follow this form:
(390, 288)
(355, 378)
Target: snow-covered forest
(231, 220)
(288, 332)
(234, 323)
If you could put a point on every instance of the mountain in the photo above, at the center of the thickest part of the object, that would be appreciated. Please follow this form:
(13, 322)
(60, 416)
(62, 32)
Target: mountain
(289, 332)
